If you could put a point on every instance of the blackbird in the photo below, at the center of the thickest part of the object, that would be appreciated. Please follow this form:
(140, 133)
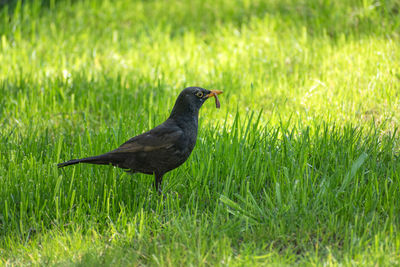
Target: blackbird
(163, 148)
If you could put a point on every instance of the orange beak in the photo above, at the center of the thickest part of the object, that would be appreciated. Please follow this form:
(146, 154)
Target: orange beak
(214, 93)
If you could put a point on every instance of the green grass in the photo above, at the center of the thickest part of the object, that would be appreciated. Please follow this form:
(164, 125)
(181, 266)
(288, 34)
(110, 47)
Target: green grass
(300, 166)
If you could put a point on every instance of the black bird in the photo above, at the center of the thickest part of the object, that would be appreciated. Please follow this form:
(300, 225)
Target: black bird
(163, 148)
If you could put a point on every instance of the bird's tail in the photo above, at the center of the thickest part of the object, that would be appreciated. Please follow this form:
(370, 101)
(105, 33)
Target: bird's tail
(104, 159)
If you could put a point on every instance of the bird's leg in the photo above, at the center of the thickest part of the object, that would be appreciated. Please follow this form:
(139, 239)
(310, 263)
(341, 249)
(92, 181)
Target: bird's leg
(158, 179)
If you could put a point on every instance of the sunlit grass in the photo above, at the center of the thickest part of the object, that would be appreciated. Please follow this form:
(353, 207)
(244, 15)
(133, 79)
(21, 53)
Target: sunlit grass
(299, 166)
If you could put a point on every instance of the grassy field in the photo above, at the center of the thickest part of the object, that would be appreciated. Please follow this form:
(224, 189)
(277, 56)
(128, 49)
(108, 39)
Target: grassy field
(300, 166)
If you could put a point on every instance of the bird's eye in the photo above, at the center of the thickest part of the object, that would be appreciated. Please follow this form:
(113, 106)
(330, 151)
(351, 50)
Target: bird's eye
(199, 94)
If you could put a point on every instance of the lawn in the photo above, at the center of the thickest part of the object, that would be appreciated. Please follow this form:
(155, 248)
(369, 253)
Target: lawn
(300, 166)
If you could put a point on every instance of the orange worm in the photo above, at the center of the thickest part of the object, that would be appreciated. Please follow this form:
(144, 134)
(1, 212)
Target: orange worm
(217, 104)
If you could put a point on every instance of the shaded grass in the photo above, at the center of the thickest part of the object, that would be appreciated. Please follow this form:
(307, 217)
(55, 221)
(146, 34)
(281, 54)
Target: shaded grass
(300, 166)
(303, 188)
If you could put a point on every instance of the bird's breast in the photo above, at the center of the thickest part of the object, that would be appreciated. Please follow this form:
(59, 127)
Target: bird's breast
(186, 144)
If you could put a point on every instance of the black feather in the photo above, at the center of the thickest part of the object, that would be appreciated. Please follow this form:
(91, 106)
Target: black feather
(163, 148)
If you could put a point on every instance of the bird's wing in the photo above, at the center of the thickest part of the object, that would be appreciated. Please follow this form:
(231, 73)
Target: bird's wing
(159, 138)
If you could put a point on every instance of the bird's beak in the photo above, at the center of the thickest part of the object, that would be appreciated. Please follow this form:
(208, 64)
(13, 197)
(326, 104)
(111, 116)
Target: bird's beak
(214, 93)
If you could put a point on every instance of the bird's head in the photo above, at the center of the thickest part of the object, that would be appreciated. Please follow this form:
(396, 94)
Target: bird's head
(191, 99)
